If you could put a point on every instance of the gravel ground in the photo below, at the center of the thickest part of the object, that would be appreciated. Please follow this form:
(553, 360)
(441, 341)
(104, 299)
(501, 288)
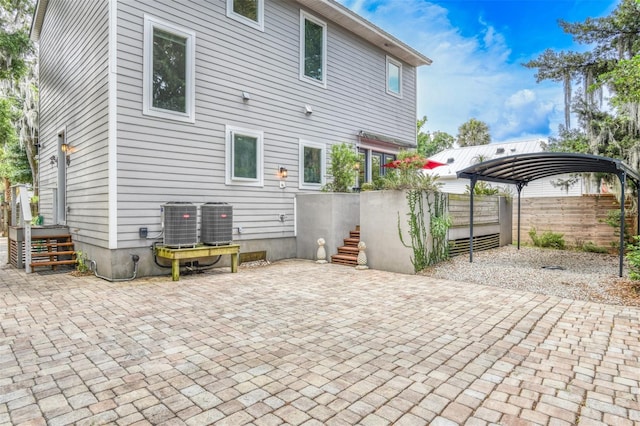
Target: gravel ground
(583, 276)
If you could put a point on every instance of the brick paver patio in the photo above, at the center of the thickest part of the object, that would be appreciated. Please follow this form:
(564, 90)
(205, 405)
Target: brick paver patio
(300, 343)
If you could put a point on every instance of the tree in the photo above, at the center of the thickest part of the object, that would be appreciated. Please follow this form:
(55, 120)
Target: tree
(473, 132)
(569, 140)
(612, 62)
(432, 143)
(18, 77)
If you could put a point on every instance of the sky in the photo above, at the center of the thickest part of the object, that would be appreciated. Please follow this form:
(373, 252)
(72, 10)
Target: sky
(477, 48)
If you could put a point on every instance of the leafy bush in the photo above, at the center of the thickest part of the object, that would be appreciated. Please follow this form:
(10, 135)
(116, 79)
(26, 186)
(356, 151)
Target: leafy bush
(343, 164)
(633, 257)
(590, 247)
(406, 173)
(482, 188)
(547, 240)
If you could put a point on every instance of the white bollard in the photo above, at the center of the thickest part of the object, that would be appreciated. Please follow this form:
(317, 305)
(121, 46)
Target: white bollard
(321, 255)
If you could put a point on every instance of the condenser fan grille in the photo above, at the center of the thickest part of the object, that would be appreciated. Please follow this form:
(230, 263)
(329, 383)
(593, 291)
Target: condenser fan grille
(180, 224)
(217, 223)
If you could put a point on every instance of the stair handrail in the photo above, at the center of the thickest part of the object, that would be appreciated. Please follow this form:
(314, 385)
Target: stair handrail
(21, 191)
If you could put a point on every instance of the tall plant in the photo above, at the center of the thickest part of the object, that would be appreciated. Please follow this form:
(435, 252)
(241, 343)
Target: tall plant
(343, 168)
(407, 176)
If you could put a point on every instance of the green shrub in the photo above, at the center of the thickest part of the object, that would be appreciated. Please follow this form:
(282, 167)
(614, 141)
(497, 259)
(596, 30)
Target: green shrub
(633, 257)
(547, 240)
(406, 173)
(590, 247)
(81, 265)
(343, 163)
(368, 186)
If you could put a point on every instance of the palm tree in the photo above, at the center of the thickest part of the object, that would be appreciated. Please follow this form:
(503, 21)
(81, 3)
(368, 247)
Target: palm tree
(473, 132)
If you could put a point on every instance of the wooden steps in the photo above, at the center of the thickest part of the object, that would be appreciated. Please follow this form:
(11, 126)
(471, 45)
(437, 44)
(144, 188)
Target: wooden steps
(348, 253)
(52, 251)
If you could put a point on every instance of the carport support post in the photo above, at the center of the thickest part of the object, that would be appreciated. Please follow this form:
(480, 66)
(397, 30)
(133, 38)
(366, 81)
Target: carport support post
(519, 187)
(623, 177)
(472, 188)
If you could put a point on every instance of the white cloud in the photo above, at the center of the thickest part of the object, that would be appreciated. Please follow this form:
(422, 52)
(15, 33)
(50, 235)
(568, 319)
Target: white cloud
(470, 77)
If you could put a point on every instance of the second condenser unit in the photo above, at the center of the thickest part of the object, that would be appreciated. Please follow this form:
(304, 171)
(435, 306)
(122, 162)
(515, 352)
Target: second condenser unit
(216, 226)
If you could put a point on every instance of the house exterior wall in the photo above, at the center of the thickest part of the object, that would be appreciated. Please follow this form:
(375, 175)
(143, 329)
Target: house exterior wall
(163, 160)
(126, 164)
(74, 96)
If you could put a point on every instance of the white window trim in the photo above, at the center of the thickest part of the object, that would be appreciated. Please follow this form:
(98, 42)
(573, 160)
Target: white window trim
(305, 16)
(229, 178)
(397, 63)
(243, 19)
(189, 116)
(323, 166)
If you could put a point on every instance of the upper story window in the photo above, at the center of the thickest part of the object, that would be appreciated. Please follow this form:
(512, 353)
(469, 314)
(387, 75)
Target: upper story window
(313, 49)
(169, 71)
(312, 165)
(244, 155)
(249, 12)
(394, 77)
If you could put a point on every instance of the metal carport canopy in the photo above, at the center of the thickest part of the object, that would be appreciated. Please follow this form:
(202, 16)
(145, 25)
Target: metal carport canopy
(521, 169)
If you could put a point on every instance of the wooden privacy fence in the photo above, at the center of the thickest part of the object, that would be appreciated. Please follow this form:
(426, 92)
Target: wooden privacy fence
(485, 210)
(488, 231)
(579, 219)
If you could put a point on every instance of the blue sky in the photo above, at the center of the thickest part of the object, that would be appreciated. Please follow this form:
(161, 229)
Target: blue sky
(477, 48)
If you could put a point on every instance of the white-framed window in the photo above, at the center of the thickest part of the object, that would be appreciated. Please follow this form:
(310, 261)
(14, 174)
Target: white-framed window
(169, 71)
(312, 162)
(313, 49)
(394, 77)
(249, 12)
(244, 156)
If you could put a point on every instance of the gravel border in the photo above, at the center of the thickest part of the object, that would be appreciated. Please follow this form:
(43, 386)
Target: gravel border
(563, 273)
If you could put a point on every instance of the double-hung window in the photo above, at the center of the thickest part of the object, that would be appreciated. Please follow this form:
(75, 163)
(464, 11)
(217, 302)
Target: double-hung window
(169, 71)
(244, 155)
(313, 49)
(312, 165)
(249, 12)
(394, 77)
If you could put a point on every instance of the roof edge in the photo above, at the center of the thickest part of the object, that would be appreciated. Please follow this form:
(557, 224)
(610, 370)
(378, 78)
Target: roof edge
(358, 25)
(38, 19)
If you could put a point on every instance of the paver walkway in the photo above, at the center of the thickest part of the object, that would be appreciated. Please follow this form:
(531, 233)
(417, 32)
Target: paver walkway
(300, 343)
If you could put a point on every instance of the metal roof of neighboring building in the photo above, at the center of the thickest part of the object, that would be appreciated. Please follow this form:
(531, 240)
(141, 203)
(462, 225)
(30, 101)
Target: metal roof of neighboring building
(457, 159)
(524, 168)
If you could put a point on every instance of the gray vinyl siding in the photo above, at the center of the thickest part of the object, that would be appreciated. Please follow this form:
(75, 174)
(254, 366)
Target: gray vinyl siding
(74, 93)
(162, 160)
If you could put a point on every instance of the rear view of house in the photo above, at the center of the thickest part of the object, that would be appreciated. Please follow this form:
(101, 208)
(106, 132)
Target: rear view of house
(236, 102)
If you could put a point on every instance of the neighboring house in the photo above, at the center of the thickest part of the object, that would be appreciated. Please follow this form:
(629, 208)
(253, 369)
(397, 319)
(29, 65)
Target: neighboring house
(456, 159)
(147, 102)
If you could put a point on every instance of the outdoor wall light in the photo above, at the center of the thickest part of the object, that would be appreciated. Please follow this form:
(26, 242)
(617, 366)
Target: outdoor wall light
(282, 174)
(66, 149)
(308, 110)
